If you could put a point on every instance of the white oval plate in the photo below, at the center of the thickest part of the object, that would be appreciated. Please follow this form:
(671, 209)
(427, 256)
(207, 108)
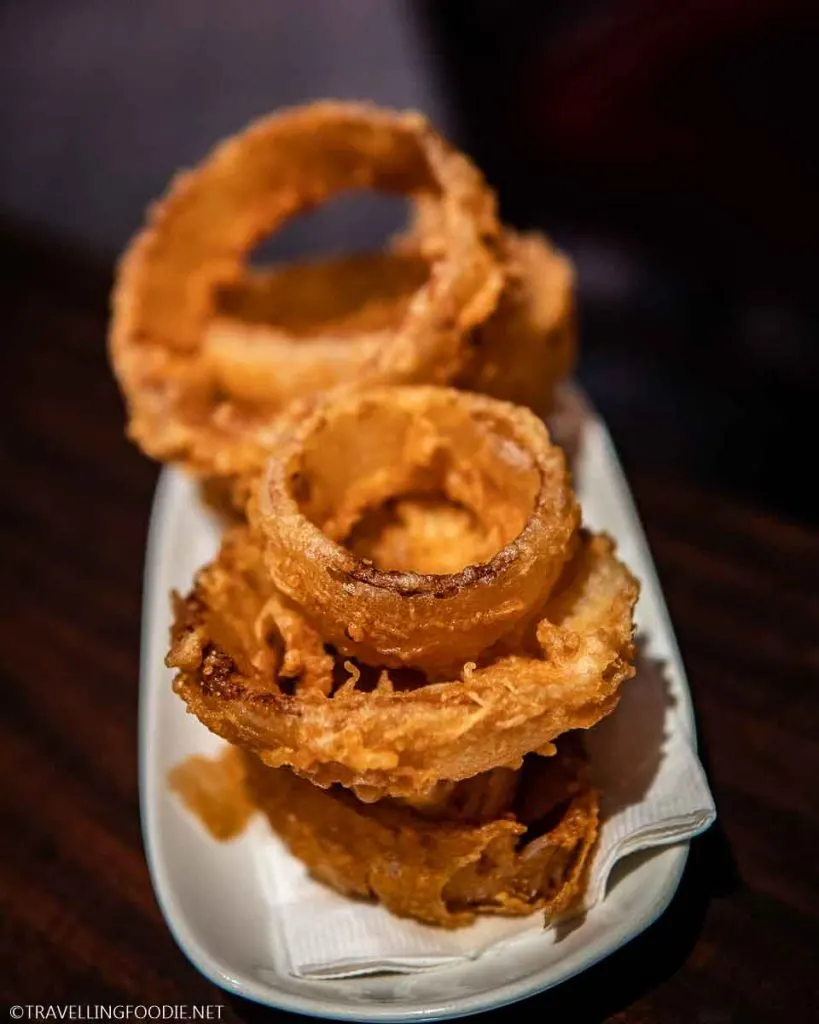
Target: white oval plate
(210, 893)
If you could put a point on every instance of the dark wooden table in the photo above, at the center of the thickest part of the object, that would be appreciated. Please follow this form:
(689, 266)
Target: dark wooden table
(80, 924)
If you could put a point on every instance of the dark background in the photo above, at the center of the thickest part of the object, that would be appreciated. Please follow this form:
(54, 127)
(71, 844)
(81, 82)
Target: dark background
(669, 147)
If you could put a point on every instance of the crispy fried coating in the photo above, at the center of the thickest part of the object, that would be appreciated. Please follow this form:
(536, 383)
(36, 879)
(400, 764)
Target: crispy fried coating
(302, 328)
(189, 400)
(424, 534)
(527, 347)
(528, 853)
(341, 310)
(392, 732)
(361, 450)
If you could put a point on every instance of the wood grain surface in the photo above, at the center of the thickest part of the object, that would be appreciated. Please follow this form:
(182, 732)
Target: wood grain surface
(79, 920)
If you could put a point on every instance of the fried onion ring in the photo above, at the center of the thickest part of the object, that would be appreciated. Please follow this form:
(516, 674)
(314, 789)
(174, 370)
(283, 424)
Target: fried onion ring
(180, 403)
(532, 854)
(361, 450)
(383, 732)
(527, 346)
(318, 319)
(302, 328)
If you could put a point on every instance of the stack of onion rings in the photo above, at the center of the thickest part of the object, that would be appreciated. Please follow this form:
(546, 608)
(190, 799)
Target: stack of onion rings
(458, 301)
(278, 648)
(405, 618)
(180, 403)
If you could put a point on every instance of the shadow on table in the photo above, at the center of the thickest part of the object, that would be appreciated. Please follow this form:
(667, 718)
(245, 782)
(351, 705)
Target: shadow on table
(612, 985)
(622, 978)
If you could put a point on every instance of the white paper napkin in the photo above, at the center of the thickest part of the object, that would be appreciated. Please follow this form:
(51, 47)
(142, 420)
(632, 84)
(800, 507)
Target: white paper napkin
(654, 792)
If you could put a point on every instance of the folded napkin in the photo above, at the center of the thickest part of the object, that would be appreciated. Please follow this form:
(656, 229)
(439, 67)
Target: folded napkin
(653, 793)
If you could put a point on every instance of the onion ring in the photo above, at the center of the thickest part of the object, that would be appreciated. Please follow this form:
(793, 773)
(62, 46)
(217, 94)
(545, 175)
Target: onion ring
(380, 732)
(523, 351)
(320, 318)
(530, 855)
(303, 328)
(361, 450)
(198, 235)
